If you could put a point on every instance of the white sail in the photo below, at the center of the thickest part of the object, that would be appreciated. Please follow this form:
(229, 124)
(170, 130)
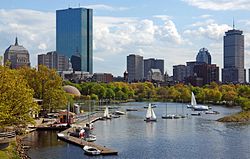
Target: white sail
(153, 114)
(195, 106)
(193, 100)
(149, 111)
(106, 112)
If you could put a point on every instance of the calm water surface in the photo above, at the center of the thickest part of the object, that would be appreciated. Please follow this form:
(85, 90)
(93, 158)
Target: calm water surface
(192, 137)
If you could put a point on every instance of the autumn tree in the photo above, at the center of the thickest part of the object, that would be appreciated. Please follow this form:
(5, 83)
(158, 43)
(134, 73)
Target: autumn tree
(17, 104)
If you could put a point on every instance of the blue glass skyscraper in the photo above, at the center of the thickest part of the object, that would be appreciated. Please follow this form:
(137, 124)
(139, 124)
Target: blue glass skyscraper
(74, 35)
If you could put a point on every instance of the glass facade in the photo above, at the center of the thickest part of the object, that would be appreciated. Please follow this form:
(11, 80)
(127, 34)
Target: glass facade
(203, 56)
(74, 35)
(234, 71)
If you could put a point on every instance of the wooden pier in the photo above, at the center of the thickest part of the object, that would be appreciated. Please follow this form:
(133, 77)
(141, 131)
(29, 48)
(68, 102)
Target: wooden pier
(80, 142)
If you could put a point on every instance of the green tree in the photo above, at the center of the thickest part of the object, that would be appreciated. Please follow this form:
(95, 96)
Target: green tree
(99, 90)
(16, 98)
(110, 94)
(47, 85)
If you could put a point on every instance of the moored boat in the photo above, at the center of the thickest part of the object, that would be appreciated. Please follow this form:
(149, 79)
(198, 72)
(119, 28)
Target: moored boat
(196, 114)
(91, 150)
(90, 138)
(106, 114)
(167, 116)
(196, 107)
(211, 112)
(150, 116)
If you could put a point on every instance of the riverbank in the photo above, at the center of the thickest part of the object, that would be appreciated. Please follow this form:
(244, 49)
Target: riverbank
(10, 152)
(243, 116)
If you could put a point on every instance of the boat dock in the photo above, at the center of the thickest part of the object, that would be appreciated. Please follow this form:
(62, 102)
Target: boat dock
(79, 142)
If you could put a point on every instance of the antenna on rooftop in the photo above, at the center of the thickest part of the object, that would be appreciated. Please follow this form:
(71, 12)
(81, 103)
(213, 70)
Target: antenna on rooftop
(233, 24)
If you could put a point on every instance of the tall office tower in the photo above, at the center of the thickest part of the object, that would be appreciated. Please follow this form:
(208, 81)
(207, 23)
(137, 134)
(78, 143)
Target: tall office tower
(179, 73)
(153, 64)
(17, 55)
(53, 60)
(203, 56)
(74, 35)
(233, 71)
(135, 67)
(190, 68)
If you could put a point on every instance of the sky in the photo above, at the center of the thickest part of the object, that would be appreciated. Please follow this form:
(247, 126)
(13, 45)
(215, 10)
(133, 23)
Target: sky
(173, 30)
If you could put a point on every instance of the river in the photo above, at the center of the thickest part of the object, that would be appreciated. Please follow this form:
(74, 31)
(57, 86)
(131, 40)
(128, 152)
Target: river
(133, 138)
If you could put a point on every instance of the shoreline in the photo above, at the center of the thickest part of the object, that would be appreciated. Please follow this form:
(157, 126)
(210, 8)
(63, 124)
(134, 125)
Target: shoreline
(240, 117)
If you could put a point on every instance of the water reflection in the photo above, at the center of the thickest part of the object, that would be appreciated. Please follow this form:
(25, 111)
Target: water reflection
(192, 137)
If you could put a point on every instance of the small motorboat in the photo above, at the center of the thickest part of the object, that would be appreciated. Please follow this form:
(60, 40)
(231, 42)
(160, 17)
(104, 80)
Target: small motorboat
(168, 116)
(119, 112)
(115, 116)
(131, 109)
(91, 151)
(60, 135)
(177, 116)
(196, 114)
(90, 138)
(211, 112)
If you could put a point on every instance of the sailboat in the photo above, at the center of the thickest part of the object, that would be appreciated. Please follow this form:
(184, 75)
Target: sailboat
(167, 116)
(196, 107)
(106, 114)
(150, 116)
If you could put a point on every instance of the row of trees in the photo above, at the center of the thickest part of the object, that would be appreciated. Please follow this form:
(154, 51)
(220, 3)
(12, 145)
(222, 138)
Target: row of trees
(18, 88)
(213, 93)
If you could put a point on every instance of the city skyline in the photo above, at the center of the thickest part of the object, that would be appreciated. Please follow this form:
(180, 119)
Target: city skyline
(163, 30)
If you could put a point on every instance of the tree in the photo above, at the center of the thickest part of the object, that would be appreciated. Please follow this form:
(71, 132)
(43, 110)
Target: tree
(16, 98)
(47, 85)
(110, 94)
(99, 90)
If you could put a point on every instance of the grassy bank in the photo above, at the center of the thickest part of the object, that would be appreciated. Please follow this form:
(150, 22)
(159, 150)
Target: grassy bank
(238, 117)
(10, 152)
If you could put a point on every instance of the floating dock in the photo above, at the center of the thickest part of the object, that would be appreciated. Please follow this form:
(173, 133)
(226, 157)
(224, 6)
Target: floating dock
(80, 142)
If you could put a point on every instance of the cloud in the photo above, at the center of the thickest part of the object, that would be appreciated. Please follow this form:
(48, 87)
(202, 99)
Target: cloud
(35, 30)
(207, 29)
(220, 4)
(105, 7)
(204, 16)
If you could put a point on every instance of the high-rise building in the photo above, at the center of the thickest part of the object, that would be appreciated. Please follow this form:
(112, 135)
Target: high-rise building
(208, 72)
(203, 56)
(135, 67)
(190, 68)
(179, 73)
(74, 35)
(153, 64)
(249, 76)
(233, 71)
(1, 60)
(17, 55)
(54, 60)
